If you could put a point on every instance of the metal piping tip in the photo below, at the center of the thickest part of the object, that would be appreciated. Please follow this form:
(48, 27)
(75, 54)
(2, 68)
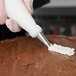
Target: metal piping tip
(42, 38)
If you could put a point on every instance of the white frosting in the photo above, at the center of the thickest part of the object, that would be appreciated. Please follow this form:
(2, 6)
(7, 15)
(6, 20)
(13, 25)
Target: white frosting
(62, 49)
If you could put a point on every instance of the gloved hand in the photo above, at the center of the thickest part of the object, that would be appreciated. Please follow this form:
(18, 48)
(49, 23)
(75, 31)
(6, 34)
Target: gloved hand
(11, 24)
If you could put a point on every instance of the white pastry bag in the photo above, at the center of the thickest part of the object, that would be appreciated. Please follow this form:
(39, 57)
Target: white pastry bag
(16, 10)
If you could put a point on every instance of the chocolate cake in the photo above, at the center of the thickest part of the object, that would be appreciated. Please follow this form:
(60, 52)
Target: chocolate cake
(24, 56)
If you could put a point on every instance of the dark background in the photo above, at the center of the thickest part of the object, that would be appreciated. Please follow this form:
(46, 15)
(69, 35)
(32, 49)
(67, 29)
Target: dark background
(57, 20)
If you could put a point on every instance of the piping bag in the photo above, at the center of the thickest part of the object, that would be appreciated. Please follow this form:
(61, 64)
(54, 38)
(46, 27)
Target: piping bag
(16, 10)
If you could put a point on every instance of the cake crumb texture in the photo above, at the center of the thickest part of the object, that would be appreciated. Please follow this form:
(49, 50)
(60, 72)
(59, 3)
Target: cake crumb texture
(24, 56)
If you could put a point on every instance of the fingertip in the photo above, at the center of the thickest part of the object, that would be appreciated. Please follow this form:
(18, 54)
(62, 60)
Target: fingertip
(12, 25)
(29, 6)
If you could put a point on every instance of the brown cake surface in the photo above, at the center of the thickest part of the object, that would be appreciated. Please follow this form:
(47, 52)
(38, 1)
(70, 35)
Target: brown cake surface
(24, 56)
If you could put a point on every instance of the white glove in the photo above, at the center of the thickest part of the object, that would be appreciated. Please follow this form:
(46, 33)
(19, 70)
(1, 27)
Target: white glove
(11, 24)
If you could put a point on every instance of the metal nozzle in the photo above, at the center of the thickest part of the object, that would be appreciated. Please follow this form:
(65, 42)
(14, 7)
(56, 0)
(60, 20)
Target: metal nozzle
(42, 38)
